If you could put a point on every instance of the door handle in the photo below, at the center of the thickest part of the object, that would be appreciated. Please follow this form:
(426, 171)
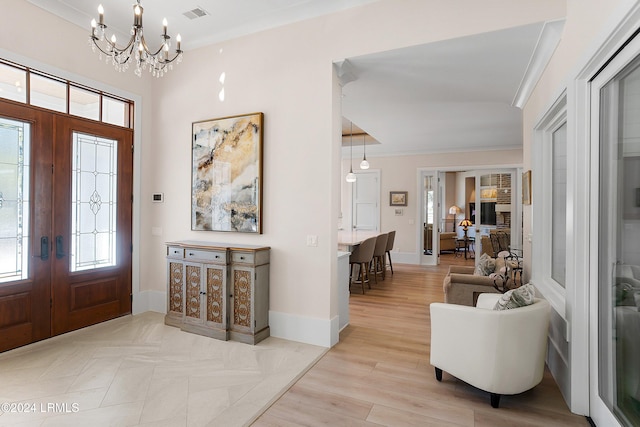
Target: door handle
(44, 248)
(59, 248)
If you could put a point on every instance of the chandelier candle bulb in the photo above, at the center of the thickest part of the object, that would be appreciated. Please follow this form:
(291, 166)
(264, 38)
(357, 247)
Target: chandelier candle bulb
(164, 25)
(101, 14)
(137, 16)
(178, 40)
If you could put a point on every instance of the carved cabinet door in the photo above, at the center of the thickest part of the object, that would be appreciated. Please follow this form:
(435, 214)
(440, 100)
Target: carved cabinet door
(242, 298)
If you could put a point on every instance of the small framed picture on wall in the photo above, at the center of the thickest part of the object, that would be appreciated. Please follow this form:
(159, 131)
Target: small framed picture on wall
(398, 198)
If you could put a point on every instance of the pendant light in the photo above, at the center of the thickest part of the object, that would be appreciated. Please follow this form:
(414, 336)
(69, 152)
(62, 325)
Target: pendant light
(364, 164)
(351, 177)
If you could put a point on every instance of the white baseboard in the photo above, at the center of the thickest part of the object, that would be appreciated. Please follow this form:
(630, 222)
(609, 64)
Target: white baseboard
(309, 330)
(335, 330)
(150, 301)
(405, 258)
(303, 329)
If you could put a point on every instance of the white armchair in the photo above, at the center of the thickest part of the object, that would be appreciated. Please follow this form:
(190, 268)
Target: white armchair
(501, 352)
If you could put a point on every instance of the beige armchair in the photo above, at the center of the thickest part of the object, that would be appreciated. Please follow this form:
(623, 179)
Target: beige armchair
(462, 287)
(508, 346)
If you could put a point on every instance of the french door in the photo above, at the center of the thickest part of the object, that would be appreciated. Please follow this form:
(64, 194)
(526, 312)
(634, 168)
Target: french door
(429, 212)
(615, 281)
(65, 223)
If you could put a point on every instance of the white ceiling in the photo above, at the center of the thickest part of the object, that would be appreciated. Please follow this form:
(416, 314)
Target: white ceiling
(447, 96)
(226, 19)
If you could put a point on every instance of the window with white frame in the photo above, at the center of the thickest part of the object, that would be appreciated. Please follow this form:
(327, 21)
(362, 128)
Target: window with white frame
(559, 204)
(549, 207)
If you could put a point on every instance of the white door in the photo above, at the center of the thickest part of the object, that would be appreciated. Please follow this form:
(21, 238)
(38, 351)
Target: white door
(615, 242)
(366, 201)
(430, 218)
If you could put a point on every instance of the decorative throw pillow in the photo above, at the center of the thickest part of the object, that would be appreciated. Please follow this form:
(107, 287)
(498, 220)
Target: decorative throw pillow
(519, 297)
(486, 265)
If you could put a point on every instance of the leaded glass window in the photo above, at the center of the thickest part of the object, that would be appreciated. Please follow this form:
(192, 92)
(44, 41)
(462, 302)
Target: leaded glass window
(14, 199)
(94, 202)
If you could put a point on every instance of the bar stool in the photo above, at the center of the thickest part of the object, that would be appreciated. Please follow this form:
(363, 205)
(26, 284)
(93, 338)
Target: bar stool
(378, 256)
(390, 239)
(362, 256)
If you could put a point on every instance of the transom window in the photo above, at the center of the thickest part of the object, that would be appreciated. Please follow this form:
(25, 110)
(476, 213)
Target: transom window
(32, 87)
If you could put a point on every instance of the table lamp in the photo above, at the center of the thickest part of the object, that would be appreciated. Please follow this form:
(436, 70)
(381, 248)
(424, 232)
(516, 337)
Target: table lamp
(465, 224)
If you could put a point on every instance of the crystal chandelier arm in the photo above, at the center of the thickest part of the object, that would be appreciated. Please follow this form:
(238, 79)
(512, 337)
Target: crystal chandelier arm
(146, 47)
(128, 47)
(161, 59)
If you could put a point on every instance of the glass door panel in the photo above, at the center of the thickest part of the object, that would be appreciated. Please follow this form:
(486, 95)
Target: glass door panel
(430, 234)
(14, 199)
(619, 247)
(94, 202)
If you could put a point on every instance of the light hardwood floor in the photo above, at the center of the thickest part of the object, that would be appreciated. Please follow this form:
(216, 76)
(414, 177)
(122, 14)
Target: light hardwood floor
(379, 372)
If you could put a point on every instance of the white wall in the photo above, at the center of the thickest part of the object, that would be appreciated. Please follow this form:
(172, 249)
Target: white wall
(399, 173)
(287, 74)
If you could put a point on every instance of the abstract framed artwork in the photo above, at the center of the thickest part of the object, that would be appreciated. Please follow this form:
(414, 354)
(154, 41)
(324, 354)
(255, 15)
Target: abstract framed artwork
(398, 198)
(226, 193)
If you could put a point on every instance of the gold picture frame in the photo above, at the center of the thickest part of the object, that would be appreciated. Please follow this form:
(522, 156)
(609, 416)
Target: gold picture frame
(526, 188)
(398, 198)
(226, 184)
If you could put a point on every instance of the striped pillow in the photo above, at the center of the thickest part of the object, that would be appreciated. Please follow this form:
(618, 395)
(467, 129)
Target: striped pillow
(520, 297)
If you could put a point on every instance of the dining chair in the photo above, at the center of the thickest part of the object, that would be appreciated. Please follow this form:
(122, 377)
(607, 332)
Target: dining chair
(390, 239)
(379, 252)
(362, 256)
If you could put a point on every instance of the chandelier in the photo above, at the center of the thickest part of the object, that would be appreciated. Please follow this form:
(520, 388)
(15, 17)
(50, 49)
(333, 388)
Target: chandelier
(136, 52)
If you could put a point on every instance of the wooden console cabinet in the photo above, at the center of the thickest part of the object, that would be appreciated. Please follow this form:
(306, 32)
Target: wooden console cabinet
(218, 290)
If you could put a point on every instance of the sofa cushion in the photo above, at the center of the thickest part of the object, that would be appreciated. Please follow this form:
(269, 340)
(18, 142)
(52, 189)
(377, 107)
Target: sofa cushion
(520, 297)
(486, 265)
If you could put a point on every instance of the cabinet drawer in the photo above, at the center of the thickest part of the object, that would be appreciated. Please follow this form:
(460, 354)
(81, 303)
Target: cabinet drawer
(175, 252)
(243, 257)
(200, 255)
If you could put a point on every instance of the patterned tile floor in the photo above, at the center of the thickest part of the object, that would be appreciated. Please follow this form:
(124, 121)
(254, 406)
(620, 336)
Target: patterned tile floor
(136, 371)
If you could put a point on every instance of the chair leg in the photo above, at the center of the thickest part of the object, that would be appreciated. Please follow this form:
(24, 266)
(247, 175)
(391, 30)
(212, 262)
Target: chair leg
(363, 271)
(390, 263)
(495, 400)
(374, 263)
(350, 276)
(438, 374)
